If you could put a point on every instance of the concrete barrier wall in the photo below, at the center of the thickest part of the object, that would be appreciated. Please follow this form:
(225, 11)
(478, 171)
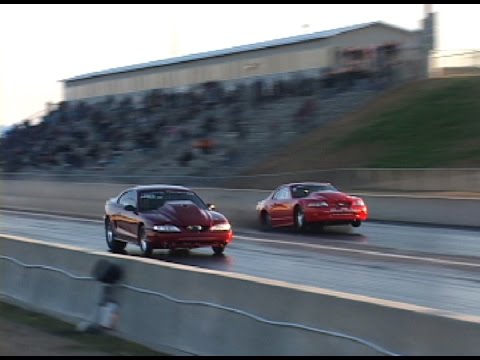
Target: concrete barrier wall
(427, 210)
(88, 199)
(200, 327)
(239, 205)
(463, 180)
(41, 289)
(363, 179)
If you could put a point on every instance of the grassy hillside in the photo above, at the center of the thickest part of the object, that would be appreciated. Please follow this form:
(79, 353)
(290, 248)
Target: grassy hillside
(430, 123)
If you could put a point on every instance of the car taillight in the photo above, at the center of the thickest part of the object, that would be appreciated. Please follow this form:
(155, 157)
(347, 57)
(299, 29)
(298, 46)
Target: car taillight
(358, 202)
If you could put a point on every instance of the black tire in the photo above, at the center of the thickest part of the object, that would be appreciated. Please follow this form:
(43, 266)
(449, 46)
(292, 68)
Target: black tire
(218, 250)
(265, 221)
(145, 246)
(113, 244)
(356, 223)
(299, 219)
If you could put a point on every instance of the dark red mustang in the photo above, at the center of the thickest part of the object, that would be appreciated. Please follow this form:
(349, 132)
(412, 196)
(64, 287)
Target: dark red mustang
(301, 204)
(164, 217)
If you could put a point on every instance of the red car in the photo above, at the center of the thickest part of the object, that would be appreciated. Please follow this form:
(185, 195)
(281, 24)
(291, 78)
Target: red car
(164, 217)
(301, 204)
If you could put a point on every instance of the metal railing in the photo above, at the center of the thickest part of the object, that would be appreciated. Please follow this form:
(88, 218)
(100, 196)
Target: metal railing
(446, 63)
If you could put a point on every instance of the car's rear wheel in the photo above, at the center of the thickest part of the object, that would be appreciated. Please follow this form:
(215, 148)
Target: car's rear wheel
(145, 246)
(356, 223)
(265, 221)
(299, 219)
(218, 250)
(113, 244)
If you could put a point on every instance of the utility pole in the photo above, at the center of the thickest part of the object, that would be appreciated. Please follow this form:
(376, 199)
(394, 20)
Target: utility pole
(427, 37)
(427, 9)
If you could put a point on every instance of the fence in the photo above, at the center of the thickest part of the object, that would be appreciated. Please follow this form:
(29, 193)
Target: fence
(446, 63)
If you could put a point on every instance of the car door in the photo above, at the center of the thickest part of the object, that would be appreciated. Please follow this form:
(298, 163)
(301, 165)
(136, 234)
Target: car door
(117, 216)
(126, 218)
(285, 207)
(272, 206)
(279, 205)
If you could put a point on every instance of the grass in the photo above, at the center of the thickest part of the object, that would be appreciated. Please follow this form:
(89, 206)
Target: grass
(431, 127)
(432, 123)
(428, 123)
(98, 341)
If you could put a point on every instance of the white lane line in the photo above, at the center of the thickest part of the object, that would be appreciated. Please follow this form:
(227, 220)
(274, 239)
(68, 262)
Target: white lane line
(282, 242)
(362, 252)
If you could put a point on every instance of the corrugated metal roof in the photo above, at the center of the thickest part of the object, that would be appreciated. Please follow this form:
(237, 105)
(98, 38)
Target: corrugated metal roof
(228, 51)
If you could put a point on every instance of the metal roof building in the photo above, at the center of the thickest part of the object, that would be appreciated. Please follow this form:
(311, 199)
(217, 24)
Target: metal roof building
(241, 63)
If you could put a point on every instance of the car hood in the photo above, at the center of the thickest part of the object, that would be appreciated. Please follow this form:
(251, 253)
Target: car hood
(330, 196)
(184, 215)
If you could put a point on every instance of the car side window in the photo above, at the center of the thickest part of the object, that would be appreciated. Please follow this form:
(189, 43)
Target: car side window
(277, 195)
(128, 198)
(286, 194)
(282, 194)
(121, 199)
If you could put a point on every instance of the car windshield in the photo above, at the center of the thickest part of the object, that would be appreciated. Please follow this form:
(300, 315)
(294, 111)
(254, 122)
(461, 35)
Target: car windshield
(299, 191)
(152, 200)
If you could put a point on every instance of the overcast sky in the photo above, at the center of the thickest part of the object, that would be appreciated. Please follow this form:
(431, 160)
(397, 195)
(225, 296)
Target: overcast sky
(42, 44)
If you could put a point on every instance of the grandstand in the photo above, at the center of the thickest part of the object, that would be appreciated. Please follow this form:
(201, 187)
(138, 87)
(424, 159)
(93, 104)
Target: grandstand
(215, 112)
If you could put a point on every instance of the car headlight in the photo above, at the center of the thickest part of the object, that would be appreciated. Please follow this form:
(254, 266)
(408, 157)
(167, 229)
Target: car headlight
(221, 227)
(166, 228)
(318, 204)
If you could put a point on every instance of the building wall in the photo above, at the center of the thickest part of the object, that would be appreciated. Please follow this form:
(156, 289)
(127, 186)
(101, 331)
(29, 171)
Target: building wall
(309, 55)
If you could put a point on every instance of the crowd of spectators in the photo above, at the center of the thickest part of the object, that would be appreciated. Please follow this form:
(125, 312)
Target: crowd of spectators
(92, 135)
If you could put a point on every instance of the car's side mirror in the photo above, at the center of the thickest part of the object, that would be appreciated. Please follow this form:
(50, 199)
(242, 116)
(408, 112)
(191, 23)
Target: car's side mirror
(130, 208)
(211, 207)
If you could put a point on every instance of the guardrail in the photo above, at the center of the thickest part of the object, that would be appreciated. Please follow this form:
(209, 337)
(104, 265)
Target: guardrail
(179, 309)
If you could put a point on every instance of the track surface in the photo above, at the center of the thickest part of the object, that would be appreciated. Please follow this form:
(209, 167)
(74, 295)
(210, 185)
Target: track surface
(435, 267)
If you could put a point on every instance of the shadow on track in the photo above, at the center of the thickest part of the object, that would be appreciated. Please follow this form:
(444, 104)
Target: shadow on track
(203, 258)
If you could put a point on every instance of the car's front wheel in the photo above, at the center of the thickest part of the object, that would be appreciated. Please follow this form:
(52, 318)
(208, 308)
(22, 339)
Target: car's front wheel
(113, 244)
(145, 246)
(265, 221)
